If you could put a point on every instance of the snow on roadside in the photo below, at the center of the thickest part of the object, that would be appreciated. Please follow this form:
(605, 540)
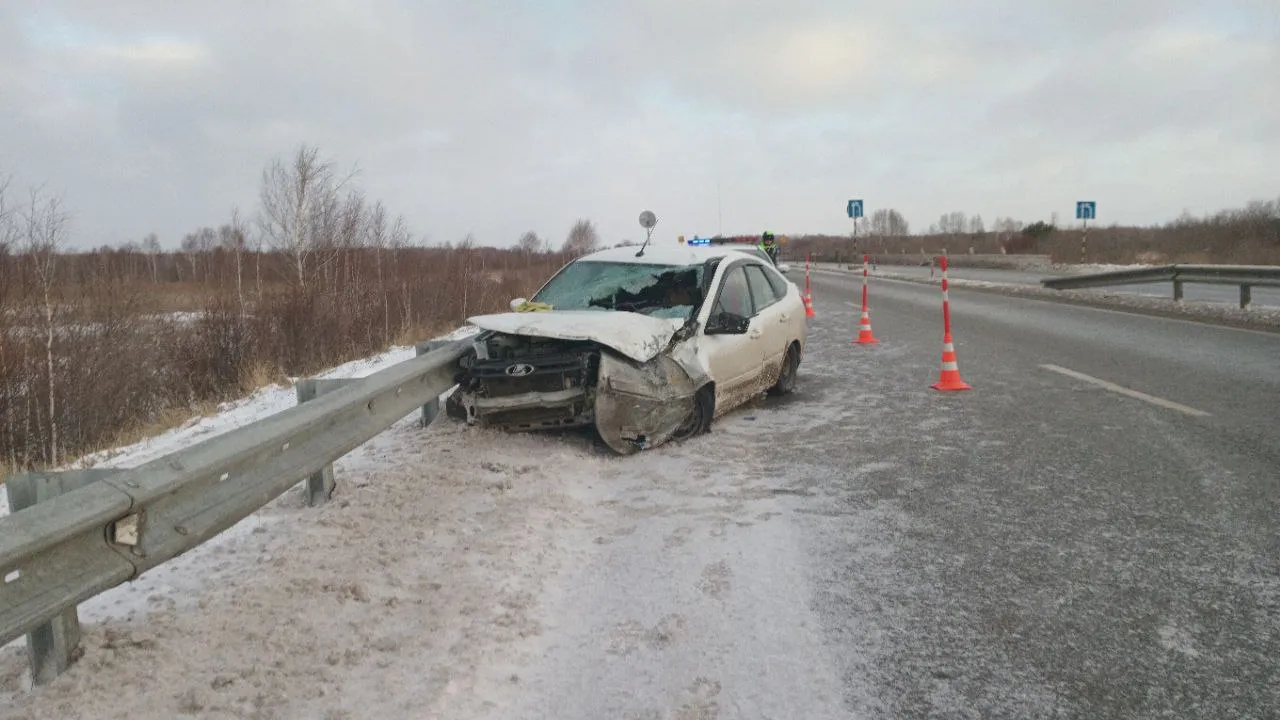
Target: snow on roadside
(1090, 268)
(187, 573)
(259, 404)
(465, 573)
(420, 578)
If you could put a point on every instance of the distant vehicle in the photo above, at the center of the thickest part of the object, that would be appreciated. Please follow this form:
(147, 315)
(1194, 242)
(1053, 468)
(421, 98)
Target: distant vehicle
(646, 347)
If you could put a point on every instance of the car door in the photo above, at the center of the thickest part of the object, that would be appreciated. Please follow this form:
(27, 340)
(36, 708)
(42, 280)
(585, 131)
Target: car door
(774, 319)
(734, 361)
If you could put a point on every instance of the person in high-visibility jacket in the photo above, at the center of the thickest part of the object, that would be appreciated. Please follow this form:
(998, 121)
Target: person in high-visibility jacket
(770, 245)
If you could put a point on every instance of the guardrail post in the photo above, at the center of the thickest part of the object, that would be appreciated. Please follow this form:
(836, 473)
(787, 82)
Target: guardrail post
(432, 408)
(52, 646)
(320, 486)
(1246, 296)
(1177, 291)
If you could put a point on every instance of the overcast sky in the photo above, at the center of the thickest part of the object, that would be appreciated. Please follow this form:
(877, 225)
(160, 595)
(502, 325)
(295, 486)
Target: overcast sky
(495, 117)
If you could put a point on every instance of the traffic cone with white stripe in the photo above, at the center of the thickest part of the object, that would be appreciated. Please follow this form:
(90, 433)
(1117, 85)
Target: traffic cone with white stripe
(864, 324)
(808, 294)
(864, 330)
(950, 377)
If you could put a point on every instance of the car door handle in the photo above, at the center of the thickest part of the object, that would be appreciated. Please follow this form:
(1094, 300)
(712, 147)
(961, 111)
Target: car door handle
(786, 317)
(755, 333)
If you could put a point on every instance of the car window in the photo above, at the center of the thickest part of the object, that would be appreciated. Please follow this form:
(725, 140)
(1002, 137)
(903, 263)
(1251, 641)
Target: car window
(665, 291)
(778, 282)
(735, 297)
(761, 290)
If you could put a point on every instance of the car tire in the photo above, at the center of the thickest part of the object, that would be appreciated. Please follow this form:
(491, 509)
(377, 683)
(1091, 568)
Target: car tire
(786, 383)
(699, 420)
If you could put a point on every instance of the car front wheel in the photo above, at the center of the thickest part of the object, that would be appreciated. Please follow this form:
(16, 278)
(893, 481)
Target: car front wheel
(699, 419)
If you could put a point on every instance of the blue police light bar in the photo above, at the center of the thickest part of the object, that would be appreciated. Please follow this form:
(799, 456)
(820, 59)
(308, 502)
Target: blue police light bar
(700, 241)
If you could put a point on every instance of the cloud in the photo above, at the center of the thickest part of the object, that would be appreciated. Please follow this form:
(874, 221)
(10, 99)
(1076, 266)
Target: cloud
(495, 117)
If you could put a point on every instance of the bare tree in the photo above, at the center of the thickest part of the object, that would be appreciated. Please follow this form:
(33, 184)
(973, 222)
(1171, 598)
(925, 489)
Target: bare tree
(293, 196)
(529, 243)
(190, 247)
(952, 223)
(1006, 229)
(582, 239)
(399, 239)
(898, 225)
(378, 237)
(151, 246)
(9, 237)
(976, 227)
(9, 233)
(880, 222)
(44, 231)
(233, 238)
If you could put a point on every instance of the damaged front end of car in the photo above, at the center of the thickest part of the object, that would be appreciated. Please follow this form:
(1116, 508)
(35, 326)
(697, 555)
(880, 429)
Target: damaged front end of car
(519, 383)
(620, 358)
(645, 405)
(522, 384)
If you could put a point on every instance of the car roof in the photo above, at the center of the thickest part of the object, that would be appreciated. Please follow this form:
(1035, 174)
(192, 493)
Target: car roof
(657, 254)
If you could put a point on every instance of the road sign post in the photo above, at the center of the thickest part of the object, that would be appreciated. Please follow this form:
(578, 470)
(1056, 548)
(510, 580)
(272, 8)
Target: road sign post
(1086, 210)
(854, 210)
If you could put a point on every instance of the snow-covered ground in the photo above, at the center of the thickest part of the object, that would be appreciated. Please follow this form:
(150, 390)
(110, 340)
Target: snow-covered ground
(1101, 267)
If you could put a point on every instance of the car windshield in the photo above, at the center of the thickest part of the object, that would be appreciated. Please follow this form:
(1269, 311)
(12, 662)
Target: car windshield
(664, 291)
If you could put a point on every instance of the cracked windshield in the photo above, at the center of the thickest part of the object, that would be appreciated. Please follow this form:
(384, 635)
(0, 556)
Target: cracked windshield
(661, 291)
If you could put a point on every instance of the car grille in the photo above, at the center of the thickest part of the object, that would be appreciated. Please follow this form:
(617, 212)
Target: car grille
(550, 373)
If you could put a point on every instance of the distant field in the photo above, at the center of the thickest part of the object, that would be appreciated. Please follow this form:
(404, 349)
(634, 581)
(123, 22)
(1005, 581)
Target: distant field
(132, 348)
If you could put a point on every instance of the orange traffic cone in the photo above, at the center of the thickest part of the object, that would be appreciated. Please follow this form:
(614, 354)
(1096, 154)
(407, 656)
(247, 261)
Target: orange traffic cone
(808, 292)
(864, 325)
(864, 331)
(950, 377)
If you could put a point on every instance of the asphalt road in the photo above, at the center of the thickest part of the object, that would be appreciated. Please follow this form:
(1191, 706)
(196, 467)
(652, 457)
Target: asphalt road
(1040, 546)
(1227, 294)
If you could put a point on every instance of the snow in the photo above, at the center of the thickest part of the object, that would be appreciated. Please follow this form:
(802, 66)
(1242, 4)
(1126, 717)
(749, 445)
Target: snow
(639, 337)
(1091, 268)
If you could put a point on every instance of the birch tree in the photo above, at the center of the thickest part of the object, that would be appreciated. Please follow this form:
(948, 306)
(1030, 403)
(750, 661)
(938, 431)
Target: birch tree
(44, 227)
(291, 195)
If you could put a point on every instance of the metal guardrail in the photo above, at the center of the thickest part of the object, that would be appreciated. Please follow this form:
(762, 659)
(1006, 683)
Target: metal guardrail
(1245, 276)
(74, 535)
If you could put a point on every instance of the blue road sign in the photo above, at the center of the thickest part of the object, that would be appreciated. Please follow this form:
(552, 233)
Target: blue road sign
(855, 208)
(1086, 210)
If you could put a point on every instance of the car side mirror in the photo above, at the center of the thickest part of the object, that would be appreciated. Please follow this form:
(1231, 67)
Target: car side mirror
(784, 268)
(515, 304)
(727, 324)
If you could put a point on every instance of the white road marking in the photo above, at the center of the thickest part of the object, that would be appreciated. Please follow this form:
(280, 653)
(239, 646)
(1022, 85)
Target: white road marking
(1168, 404)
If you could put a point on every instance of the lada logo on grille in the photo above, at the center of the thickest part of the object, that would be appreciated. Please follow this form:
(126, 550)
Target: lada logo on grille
(519, 370)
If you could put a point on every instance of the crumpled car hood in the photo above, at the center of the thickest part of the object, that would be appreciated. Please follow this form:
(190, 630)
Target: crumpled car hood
(636, 336)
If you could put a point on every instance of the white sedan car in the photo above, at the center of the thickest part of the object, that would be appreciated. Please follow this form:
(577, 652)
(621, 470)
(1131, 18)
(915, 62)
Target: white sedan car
(646, 346)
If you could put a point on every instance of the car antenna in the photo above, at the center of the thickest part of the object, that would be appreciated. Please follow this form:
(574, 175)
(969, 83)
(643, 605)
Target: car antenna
(647, 221)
